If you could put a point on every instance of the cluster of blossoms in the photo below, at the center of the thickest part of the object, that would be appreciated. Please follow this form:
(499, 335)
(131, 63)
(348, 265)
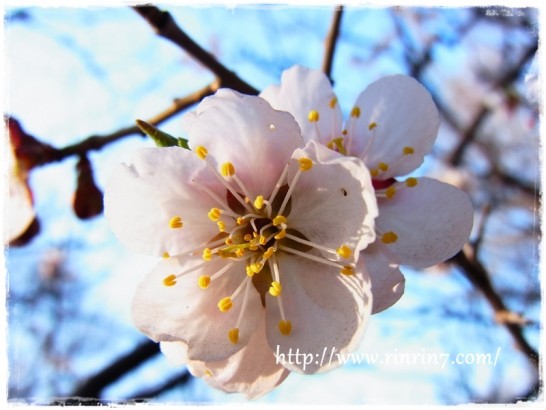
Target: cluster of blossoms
(280, 228)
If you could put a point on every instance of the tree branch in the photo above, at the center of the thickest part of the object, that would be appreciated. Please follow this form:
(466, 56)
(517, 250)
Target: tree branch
(331, 42)
(166, 27)
(178, 380)
(476, 273)
(93, 387)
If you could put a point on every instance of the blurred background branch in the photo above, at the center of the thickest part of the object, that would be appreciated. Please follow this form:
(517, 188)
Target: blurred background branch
(331, 42)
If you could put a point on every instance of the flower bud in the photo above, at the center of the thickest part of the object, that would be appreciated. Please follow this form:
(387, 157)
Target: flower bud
(88, 197)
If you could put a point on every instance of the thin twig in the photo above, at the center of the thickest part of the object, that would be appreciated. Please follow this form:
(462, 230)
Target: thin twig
(505, 80)
(96, 142)
(331, 42)
(166, 27)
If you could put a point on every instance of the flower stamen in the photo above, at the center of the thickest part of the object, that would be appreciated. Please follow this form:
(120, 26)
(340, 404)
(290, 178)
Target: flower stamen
(176, 222)
(275, 289)
(285, 327)
(311, 257)
(225, 304)
(233, 335)
(171, 279)
(389, 237)
(278, 186)
(305, 164)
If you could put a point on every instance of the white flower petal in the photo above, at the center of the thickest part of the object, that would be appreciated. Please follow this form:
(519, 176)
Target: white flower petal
(185, 312)
(400, 113)
(386, 278)
(141, 198)
(301, 91)
(328, 312)
(252, 371)
(432, 222)
(247, 132)
(334, 202)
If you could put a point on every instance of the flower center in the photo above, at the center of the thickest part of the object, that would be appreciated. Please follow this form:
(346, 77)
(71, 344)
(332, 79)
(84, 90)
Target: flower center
(252, 231)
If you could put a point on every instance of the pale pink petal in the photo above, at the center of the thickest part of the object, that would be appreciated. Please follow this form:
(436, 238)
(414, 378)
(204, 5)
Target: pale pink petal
(432, 221)
(301, 91)
(247, 132)
(328, 312)
(142, 197)
(395, 113)
(386, 278)
(334, 202)
(253, 370)
(19, 210)
(185, 312)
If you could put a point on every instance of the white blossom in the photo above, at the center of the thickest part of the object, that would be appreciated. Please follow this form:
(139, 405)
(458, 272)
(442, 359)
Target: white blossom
(260, 235)
(391, 127)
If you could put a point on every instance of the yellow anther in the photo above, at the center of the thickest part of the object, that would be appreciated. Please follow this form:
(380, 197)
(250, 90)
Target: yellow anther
(208, 373)
(255, 234)
(330, 145)
(313, 116)
(383, 167)
(207, 254)
(408, 150)
(355, 112)
(305, 163)
(281, 234)
(225, 304)
(203, 281)
(270, 251)
(285, 327)
(389, 193)
(347, 270)
(221, 226)
(259, 202)
(262, 240)
(240, 252)
(339, 145)
(214, 214)
(176, 222)
(333, 102)
(201, 152)
(227, 169)
(256, 267)
(411, 182)
(228, 241)
(249, 271)
(170, 280)
(278, 220)
(275, 289)
(372, 125)
(240, 220)
(389, 237)
(233, 335)
(166, 255)
(247, 237)
(344, 251)
(374, 172)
